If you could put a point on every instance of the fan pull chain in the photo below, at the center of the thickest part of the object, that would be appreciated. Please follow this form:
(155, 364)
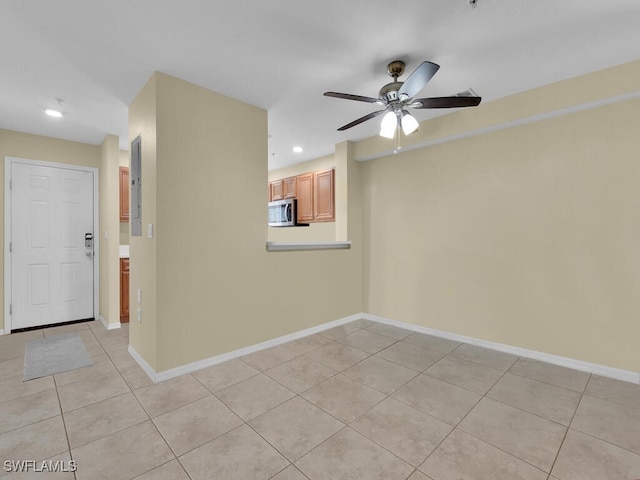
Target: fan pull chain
(396, 138)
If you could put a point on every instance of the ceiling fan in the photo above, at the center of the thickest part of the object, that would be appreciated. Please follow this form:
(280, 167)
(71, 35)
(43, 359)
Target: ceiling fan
(397, 96)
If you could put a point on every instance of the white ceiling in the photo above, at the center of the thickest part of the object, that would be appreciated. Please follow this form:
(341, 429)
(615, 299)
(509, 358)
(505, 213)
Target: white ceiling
(281, 55)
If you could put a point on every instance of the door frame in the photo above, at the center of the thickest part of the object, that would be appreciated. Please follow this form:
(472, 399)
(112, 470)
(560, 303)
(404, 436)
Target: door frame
(8, 162)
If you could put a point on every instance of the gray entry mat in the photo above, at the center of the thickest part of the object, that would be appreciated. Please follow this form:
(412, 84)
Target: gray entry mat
(55, 354)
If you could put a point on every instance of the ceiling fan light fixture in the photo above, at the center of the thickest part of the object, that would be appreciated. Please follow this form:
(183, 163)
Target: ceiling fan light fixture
(397, 96)
(388, 125)
(409, 124)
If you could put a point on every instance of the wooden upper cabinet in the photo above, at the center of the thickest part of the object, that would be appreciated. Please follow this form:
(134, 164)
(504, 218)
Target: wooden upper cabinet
(324, 194)
(277, 193)
(305, 197)
(289, 187)
(124, 194)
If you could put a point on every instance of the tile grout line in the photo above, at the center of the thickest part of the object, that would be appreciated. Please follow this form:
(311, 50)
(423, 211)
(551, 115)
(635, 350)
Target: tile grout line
(345, 425)
(186, 405)
(455, 427)
(387, 396)
(64, 424)
(517, 408)
(159, 466)
(585, 394)
(175, 457)
(418, 410)
(132, 392)
(270, 444)
(546, 383)
(94, 403)
(530, 413)
(149, 418)
(507, 404)
(246, 422)
(568, 428)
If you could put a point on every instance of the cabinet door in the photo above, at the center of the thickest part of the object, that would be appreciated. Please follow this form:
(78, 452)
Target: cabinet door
(305, 197)
(124, 290)
(124, 194)
(323, 205)
(289, 187)
(276, 190)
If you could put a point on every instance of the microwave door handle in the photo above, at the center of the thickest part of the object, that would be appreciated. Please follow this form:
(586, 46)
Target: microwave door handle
(288, 213)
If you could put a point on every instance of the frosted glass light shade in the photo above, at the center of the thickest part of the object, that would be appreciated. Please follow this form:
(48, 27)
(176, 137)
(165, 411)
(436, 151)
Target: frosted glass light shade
(388, 125)
(409, 124)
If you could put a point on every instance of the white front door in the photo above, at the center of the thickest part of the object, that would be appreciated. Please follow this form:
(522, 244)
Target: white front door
(51, 263)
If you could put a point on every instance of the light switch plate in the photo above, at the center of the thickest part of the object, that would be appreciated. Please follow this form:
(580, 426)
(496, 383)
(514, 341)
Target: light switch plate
(150, 230)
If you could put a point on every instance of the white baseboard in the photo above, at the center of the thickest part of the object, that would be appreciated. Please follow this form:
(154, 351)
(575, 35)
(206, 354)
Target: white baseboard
(207, 362)
(610, 372)
(602, 370)
(143, 364)
(109, 326)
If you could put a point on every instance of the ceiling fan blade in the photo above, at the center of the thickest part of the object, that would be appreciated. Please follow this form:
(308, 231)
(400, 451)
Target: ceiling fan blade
(445, 102)
(418, 79)
(359, 98)
(361, 119)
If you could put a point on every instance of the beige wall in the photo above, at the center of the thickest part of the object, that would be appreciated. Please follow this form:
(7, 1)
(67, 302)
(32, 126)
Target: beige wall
(109, 231)
(142, 250)
(315, 232)
(209, 285)
(527, 236)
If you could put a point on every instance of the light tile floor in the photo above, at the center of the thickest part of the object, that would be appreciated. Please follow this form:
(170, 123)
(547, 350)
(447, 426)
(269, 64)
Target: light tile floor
(362, 401)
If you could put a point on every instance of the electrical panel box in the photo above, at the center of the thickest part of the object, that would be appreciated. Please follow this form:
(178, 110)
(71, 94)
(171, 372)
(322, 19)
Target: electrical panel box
(136, 187)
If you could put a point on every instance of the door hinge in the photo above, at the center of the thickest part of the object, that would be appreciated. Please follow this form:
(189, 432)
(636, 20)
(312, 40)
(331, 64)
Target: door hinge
(11, 184)
(10, 247)
(10, 308)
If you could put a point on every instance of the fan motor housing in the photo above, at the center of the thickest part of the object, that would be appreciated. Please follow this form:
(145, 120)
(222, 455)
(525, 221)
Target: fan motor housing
(390, 91)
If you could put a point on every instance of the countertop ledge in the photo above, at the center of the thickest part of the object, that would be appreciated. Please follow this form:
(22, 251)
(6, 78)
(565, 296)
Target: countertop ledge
(289, 246)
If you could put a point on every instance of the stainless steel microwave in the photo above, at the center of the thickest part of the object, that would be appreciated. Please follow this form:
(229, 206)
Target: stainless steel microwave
(282, 213)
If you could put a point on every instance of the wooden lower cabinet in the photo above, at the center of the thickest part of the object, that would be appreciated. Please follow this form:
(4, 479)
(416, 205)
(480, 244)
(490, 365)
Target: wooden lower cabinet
(124, 290)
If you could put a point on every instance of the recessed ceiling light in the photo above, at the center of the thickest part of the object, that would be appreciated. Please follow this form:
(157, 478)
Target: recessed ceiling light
(297, 149)
(52, 113)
